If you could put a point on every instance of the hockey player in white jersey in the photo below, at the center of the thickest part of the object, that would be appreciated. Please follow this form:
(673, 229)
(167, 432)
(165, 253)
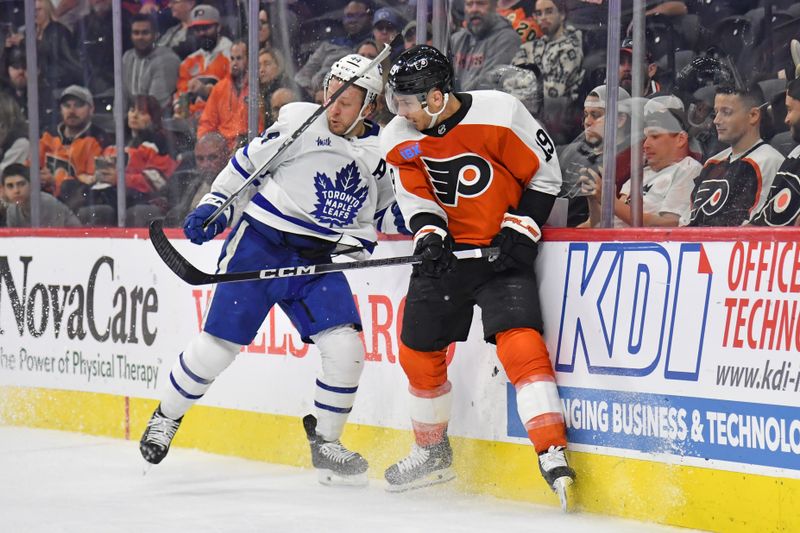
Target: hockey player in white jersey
(322, 196)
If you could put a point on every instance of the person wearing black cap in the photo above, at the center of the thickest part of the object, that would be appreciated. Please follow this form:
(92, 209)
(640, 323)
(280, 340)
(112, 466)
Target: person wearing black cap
(386, 26)
(649, 70)
(15, 83)
(783, 204)
(733, 185)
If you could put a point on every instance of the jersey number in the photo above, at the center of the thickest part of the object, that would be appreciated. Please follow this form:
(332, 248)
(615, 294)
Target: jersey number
(546, 144)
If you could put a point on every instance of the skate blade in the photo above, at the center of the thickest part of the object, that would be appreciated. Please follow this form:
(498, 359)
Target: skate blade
(146, 468)
(434, 478)
(332, 479)
(560, 488)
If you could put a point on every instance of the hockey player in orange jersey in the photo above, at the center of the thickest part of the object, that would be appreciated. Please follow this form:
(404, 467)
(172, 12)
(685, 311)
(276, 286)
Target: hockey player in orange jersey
(470, 169)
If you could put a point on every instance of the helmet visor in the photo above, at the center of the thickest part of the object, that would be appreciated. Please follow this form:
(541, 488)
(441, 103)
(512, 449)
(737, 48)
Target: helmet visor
(403, 104)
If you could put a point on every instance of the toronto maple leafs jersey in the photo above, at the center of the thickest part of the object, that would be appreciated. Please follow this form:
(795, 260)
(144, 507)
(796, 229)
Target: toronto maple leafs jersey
(322, 185)
(472, 167)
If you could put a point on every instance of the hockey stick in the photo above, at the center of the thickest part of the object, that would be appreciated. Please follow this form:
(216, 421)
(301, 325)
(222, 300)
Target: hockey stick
(194, 276)
(299, 131)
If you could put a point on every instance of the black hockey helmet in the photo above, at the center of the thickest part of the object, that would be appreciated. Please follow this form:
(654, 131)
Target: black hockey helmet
(703, 71)
(420, 69)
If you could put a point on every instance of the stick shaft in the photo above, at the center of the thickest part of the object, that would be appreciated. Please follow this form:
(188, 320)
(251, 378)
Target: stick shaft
(194, 276)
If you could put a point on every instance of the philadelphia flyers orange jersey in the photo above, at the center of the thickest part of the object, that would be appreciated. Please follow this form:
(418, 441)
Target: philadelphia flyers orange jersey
(473, 167)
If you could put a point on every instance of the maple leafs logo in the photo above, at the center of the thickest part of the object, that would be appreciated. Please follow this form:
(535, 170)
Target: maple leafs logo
(339, 201)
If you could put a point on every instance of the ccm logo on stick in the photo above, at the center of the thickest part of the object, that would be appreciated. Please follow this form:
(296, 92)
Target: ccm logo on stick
(270, 273)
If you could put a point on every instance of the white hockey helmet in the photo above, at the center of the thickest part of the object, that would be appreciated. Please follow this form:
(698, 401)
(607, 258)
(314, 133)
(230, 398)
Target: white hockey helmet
(349, 66)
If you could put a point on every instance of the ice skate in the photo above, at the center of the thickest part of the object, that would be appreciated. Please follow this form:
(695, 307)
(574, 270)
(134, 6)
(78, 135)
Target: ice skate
(157, 437)
(557, 473)
(424, 466)
(335, 464)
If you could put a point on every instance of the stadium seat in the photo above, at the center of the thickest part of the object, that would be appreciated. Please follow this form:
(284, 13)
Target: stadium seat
(783, 142)
(771, 88)
(733, 35)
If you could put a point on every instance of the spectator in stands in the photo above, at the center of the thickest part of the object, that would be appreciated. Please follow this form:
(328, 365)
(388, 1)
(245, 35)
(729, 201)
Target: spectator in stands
(386, 26)
(271, 77)
(558, 53)
(782, 207)
(357, 22)
(17, 189)
(14, 144)
(227, 107)
(649, 70)
(582, 160)
(16, 85)
(66, 153)
(94, 34)
(733, 185)
(264, 30)
(205, 66)
(58, 61)
(175, 36)
(280, 98)
(147, 171)
(148, 69)
(487, 40)
(15, 81)
(520, 14)
(368, 49)
(192, 181)
(410, 35)
(668, 177)
(70, 12)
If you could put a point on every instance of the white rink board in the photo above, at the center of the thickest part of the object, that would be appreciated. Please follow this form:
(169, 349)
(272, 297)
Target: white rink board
(641, 335)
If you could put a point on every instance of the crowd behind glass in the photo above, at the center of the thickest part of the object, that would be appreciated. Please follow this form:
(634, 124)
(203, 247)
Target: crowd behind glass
(717, 118)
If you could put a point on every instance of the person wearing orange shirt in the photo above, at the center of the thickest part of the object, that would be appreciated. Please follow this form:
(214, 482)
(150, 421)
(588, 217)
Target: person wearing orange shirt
(67, 152)
(227, 107)
(204, 67)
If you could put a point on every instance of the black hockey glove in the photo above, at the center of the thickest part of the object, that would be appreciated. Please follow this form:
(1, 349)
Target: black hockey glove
(518, 242)
(435, 245)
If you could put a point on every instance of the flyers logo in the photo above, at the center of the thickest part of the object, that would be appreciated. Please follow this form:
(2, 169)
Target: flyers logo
(711, 196)
(467, 175)
(783, 207)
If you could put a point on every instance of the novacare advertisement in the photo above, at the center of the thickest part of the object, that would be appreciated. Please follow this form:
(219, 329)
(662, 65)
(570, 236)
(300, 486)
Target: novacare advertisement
(106, 315)
(690, 351)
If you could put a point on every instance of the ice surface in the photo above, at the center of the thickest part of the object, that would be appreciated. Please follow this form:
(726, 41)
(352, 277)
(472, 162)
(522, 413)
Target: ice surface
(52, 481)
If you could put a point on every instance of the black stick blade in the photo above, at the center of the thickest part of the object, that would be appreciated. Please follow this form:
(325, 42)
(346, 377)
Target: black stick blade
(173, 259)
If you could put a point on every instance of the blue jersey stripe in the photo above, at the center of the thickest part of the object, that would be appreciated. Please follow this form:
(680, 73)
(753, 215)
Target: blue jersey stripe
(239, 168)
(340, 390)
